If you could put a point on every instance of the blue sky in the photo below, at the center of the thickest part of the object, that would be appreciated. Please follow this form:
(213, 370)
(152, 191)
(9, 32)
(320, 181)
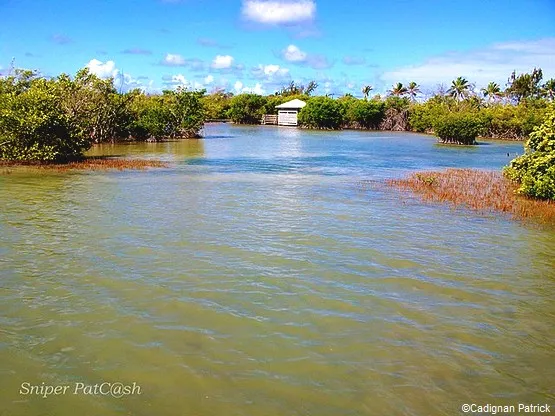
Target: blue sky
(260, 45)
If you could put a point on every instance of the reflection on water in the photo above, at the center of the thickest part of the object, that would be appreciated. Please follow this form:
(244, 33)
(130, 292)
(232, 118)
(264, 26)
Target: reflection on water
(256, 276)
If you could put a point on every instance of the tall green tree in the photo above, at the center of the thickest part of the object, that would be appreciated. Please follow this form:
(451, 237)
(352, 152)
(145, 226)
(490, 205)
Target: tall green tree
(492, 91)
(460, 88)
(524, 86)
(398, 90)
(366, 91)
(413, 89)
(548, 89)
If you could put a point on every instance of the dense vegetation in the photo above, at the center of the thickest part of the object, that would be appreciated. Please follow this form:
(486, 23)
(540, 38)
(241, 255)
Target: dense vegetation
(58, 119)
(535, 170)
(509, 114)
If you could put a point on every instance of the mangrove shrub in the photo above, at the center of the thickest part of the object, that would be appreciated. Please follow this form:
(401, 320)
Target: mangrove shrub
(322, 113)
(247, 108)
(33, 124)
(535, 170)
(459, 128)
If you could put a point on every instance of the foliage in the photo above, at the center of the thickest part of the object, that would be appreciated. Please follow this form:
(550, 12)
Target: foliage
(217, 105)
(247, 108)
(33, 126)
(492, 91)
(362, 113)
(58, 119)
(422, 116)
(459, 128)
(413, 89)
(398, 90)
(297, 89)
(460, 88)
(174, 114)
(535, 170)
(366, 91)
(524, 86)
(514, 121)
(322, 113)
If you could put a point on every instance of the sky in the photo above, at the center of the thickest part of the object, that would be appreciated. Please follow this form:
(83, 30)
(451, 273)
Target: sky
(261, 45)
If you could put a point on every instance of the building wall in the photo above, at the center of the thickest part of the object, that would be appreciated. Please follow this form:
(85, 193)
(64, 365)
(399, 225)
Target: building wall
(287, 117)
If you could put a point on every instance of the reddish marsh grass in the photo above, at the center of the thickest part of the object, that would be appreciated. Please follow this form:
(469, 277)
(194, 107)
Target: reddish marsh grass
(483, 191)
(91, 163)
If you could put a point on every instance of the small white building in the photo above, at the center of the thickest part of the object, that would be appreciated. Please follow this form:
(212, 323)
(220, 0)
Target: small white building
(289, 111)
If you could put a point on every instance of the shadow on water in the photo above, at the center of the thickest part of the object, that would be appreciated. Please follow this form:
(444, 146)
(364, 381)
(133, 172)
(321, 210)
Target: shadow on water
(176, 150)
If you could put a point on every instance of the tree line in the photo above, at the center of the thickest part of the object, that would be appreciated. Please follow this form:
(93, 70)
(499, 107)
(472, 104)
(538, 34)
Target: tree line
(57, 119)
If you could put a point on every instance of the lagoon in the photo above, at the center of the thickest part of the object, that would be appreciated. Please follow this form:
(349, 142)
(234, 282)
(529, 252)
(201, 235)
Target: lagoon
(264, 273)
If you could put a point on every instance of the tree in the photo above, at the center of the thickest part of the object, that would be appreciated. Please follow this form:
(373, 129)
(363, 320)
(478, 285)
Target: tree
(492, 91)
(413, 89)
(398, 90)
(548, 89)
(297, 89)
(524, 86)
(366, 91)
(460, 88)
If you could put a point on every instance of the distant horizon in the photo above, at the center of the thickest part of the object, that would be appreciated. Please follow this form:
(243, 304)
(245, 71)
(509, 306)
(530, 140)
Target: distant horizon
(261, 45)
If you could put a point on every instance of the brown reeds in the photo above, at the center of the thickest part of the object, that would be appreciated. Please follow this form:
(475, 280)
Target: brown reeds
(484, 191)
(89, 163)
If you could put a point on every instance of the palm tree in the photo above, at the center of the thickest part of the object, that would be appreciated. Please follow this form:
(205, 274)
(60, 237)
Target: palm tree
(366, 91)
(460, 88)
(548, 89)
(398, 90)
(492, 91)
(413, 89)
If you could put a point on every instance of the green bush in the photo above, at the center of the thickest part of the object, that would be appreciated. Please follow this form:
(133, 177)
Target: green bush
(459, 128)
(514, 121)
(535, 170)
(363, 114)
(174, 114)
(247, 108)
(322, 113)
(33, 125)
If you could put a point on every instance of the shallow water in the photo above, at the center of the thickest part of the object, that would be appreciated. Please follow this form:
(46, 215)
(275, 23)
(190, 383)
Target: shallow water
(261, 274)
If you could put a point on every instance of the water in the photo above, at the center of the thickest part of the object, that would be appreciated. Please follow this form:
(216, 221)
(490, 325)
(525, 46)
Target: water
(259, 274)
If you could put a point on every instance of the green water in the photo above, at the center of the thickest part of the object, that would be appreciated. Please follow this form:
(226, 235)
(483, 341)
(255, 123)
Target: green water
(260, 274)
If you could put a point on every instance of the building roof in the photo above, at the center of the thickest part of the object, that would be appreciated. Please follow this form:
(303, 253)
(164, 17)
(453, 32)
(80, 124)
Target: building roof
(296, 103)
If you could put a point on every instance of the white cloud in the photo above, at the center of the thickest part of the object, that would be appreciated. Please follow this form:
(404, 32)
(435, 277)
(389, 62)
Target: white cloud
(494, 63)
(239, 88)
(174, 60)
(270, 72)
(293, 54)
(274, 70)
(279, 12)
(122, 81)
(179, 80)
(209, 80)
(102, 69)
(222, 62)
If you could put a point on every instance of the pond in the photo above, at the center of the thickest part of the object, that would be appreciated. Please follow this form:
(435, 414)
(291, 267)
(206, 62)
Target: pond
(261, 273)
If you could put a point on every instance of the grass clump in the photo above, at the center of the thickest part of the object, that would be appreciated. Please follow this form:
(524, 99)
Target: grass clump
(484, 191)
